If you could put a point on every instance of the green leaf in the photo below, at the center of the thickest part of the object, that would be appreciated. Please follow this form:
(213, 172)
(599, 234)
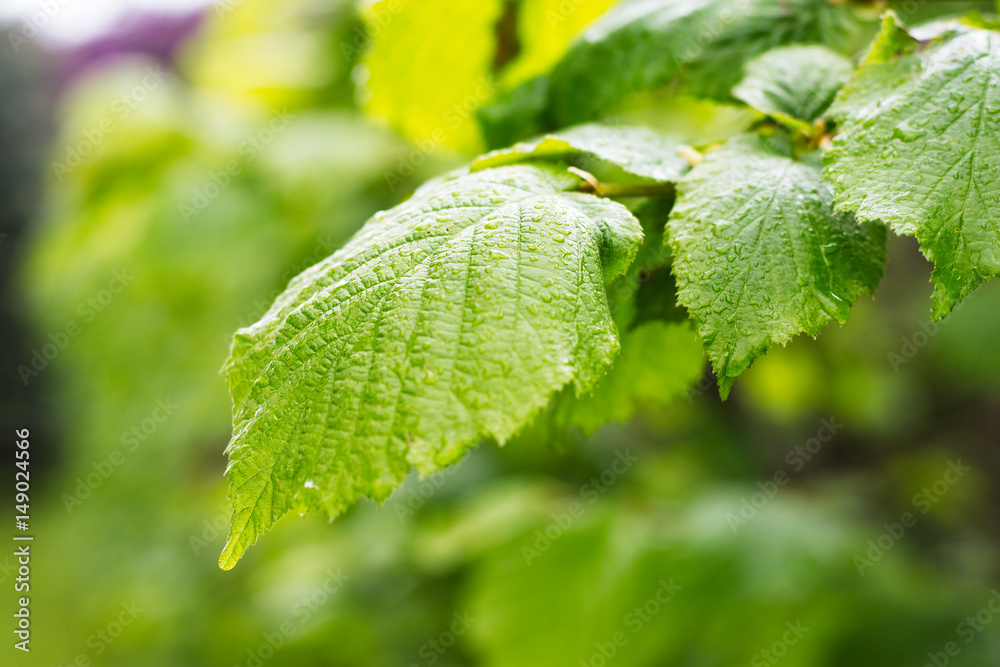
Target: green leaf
(658, 362)
(641, 44)
(648, 292)
(545, 30)
(516, 113)
(794, 84)
(429, 65)
(918, 147)
(453, 317)
(661, 356)
(759, 254)
(636, 150)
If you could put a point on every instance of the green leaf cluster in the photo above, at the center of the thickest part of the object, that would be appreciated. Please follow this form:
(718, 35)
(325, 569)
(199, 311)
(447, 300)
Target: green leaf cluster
(512, 284)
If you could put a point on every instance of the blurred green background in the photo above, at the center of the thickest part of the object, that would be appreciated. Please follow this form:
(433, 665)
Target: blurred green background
(159, 189)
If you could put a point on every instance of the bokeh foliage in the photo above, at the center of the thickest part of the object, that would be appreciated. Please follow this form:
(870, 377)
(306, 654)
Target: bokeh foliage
(911, 396)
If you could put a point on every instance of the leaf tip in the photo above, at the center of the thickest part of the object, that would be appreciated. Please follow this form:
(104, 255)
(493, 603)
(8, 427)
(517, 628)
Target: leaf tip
(231, 554)
(725, 385)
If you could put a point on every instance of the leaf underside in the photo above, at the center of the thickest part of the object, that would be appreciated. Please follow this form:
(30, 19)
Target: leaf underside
(636, 150)
(451, 318)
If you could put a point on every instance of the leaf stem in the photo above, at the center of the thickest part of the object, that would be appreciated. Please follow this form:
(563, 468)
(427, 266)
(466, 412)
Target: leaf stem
(624, 190)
